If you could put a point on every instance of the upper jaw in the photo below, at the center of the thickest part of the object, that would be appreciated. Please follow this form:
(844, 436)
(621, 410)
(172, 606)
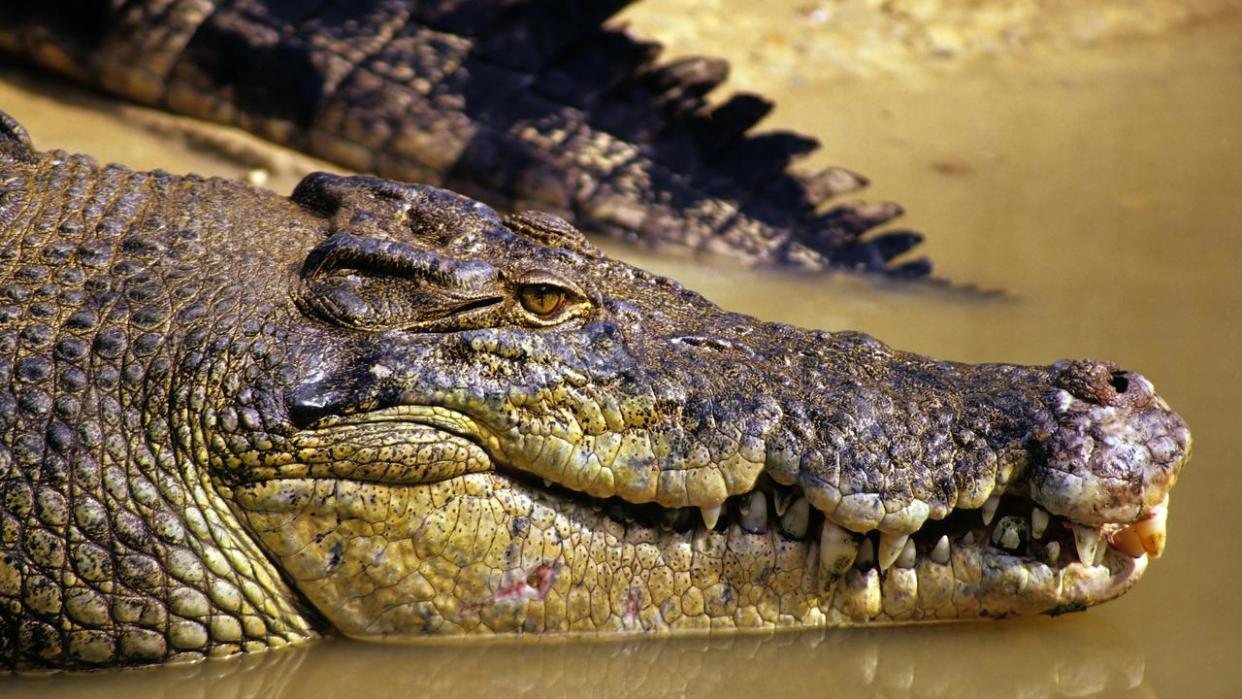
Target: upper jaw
(1017, 514)
(1093, 455)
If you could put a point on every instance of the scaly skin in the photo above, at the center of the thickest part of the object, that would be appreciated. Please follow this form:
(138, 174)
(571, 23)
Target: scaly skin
(520, 103)
(232, 420)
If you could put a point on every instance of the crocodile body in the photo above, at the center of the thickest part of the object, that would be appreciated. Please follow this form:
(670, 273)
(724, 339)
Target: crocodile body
(232, 420)
(519, 103)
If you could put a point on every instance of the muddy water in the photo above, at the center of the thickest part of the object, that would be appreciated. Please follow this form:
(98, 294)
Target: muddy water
(1097, 187)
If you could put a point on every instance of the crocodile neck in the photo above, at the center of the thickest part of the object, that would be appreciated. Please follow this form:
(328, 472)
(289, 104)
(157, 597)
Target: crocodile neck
(118, 548)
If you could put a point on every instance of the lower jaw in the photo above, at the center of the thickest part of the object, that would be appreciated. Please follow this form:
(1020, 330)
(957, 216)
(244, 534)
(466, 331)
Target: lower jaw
(485, 554)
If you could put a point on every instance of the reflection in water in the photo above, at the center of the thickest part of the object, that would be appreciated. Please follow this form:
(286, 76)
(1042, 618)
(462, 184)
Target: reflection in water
(1072, 660)
(263, 675)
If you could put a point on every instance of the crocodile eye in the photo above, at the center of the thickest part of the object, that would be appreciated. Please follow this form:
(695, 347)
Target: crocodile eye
(541, 299)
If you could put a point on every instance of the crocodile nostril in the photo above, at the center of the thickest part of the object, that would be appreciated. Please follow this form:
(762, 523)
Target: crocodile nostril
(1120, 382)
(1103, 383)
(1130, 389)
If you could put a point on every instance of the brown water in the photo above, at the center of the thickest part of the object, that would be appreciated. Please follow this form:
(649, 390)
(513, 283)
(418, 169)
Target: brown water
(1098, 186)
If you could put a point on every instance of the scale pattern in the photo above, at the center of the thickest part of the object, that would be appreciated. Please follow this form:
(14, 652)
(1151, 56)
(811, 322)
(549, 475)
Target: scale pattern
(519, 103)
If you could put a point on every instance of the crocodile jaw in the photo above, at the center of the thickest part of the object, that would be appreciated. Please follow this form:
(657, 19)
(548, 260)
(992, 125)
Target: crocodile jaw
(490, 549)
(484, 553)
(460, 510)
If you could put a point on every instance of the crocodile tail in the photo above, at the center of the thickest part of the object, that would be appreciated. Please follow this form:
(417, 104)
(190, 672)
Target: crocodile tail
(521, 103)
(711, 154)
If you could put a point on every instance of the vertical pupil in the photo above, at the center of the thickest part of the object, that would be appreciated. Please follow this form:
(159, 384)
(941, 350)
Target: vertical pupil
(542, 298)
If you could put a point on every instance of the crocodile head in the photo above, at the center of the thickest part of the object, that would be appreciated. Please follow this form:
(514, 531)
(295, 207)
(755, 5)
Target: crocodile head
(487, 426)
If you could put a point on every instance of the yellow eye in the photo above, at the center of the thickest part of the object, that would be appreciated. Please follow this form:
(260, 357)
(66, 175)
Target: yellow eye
(541, 299)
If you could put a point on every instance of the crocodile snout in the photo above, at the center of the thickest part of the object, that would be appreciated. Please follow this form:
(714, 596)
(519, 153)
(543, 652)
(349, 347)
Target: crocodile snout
(1116, 448)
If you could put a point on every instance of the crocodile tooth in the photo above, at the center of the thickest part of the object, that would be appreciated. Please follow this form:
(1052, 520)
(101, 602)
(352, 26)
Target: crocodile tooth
(755, 514)
(1008, 533)
(547, 483)
(796, 518)
(969, 538)
(989, 509)
(940, 552)
(1152, 531)
(781, 501)
(890, 547)
(1039, 523)
(908, 555)
(1053, 551)
(866, 555)
(1127, 541)
(837, 549)
(1087, 540)
(711, 515)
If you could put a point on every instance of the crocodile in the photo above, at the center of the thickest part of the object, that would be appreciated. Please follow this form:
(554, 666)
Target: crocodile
(232, 420)
(523, 104)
